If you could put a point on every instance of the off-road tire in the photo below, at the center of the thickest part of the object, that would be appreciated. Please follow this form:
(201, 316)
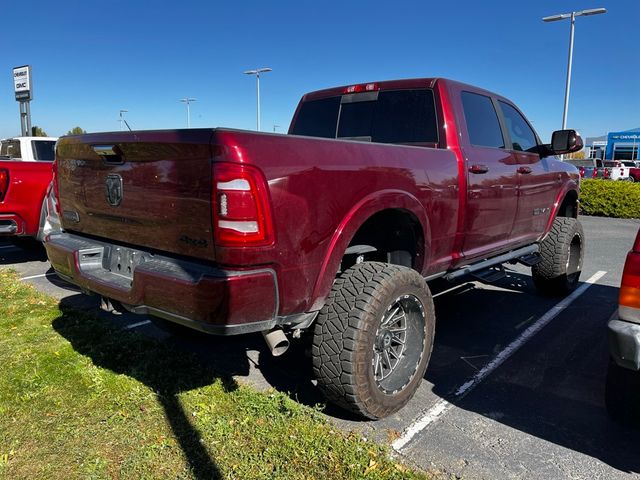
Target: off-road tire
(562, 252)
(622, 395)
(347, 330)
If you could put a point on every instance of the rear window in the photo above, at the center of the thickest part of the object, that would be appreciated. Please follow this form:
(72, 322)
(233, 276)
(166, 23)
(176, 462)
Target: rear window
(318, 118)
(43, 150)
(10, 149)
(395, 116)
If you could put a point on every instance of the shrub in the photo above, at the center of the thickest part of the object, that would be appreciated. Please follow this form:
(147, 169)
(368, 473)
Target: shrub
(608, 198)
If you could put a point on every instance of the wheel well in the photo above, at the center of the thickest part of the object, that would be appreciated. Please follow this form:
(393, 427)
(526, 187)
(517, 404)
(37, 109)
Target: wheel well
(569, 206)
(391, 236)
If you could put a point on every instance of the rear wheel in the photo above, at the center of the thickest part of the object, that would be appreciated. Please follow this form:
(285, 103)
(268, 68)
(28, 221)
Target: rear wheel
(562, 253)
(373, 338)
(622, 394)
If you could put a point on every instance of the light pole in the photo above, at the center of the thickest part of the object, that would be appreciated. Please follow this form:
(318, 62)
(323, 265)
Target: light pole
(122, 118)
(257, 73)
(572, 16)
(187, 101)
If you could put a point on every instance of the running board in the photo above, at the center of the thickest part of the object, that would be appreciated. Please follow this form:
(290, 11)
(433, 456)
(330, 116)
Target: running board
(491, 274)
(516, 255)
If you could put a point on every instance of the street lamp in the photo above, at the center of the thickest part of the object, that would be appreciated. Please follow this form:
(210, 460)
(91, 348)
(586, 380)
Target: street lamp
(122, 118)
(187, 101)
(572, 16)
(257, 73)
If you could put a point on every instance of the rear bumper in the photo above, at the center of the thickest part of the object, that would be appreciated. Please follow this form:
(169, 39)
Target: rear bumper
(200, 296)
(624, 343)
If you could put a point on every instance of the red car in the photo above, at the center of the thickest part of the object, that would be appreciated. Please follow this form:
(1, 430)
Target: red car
(334, 229)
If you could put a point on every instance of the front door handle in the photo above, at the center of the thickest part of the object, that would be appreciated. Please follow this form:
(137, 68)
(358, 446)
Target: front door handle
(478, 169)
(524, 170)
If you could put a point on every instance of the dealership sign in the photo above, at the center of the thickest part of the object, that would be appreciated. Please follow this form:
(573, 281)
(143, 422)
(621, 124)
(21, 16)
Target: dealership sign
(628, 136)
(22, 83)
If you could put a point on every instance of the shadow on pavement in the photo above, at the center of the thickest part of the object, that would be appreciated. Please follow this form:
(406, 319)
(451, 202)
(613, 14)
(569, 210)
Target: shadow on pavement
(29, 252)
(553, 388)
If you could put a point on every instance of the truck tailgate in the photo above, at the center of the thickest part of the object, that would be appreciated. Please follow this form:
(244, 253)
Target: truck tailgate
(150, 189)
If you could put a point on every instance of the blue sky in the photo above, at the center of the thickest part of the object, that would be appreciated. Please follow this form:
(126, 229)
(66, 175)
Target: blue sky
(92, 58)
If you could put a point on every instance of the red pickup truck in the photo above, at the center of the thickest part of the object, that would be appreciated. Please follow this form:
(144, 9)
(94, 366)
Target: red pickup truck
(334, 229)
(23, 186)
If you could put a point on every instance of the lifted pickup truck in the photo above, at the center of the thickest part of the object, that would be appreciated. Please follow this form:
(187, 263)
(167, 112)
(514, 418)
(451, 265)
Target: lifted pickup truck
(334, 229)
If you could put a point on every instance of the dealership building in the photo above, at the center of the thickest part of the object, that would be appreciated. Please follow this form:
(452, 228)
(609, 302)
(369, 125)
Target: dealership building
(615, 145)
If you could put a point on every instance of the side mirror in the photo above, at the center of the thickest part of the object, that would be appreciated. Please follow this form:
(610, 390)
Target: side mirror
(566, 141)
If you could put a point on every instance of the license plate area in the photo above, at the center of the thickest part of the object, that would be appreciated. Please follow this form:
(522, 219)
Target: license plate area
(123, 261)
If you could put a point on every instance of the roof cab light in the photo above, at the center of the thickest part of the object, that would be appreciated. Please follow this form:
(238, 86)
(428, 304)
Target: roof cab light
(365, 87)
(242, 212)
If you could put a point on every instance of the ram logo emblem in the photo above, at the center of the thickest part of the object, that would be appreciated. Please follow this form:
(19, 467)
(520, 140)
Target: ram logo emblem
(113, 185)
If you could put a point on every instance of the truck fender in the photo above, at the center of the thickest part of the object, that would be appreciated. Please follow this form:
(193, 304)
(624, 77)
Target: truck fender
(352, 221)
(569, 186)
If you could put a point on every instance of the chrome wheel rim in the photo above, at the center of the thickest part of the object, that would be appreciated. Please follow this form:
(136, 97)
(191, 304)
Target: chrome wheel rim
(399, 344)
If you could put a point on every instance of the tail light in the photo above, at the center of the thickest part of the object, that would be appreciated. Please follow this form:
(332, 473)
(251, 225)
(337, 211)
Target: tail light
(56, 191)
(595, 172)
(629, 299)
(606, 172)
(241, 206)
(4, 182)
(581, 172)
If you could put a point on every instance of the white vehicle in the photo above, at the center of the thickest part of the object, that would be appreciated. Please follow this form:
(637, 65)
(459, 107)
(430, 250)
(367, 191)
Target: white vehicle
(28, 149)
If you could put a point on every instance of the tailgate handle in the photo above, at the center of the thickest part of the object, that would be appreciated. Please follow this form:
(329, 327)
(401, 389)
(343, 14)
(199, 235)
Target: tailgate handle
(109, 153)
(478, 169)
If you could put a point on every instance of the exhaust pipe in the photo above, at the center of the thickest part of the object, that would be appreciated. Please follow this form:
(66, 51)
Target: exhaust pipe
(276, 340)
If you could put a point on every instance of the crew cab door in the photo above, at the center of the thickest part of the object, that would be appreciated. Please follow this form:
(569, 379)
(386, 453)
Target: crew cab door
(537, 185)
(491, 177)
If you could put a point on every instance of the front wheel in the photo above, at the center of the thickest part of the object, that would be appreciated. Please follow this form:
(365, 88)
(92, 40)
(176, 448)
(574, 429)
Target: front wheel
(562, 253)
(373, 338)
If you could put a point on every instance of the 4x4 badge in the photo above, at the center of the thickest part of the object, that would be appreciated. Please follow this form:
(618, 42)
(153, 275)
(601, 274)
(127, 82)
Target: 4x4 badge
(113, 186)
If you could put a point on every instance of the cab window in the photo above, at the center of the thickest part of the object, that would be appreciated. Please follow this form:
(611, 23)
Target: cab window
(482, 121)
(522, 137)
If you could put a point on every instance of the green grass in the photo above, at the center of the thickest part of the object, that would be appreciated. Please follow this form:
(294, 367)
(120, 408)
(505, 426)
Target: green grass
(82, 399)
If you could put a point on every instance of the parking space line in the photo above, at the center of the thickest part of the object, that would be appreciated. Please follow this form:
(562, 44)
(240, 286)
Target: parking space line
(442, 406)
(50, 274)
(136, 325)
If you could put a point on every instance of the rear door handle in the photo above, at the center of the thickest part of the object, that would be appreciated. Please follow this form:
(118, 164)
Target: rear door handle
(478, 169)
(524, 170)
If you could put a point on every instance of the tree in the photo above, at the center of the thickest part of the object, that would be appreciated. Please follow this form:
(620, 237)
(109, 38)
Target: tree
(76, 131)
(38, 132)
(577, 155)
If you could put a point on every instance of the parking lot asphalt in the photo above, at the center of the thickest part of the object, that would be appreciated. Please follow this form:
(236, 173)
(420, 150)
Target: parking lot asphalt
(515, 385)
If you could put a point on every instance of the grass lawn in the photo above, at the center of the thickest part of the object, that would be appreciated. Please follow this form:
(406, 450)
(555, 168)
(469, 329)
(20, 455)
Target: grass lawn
(82, 399)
